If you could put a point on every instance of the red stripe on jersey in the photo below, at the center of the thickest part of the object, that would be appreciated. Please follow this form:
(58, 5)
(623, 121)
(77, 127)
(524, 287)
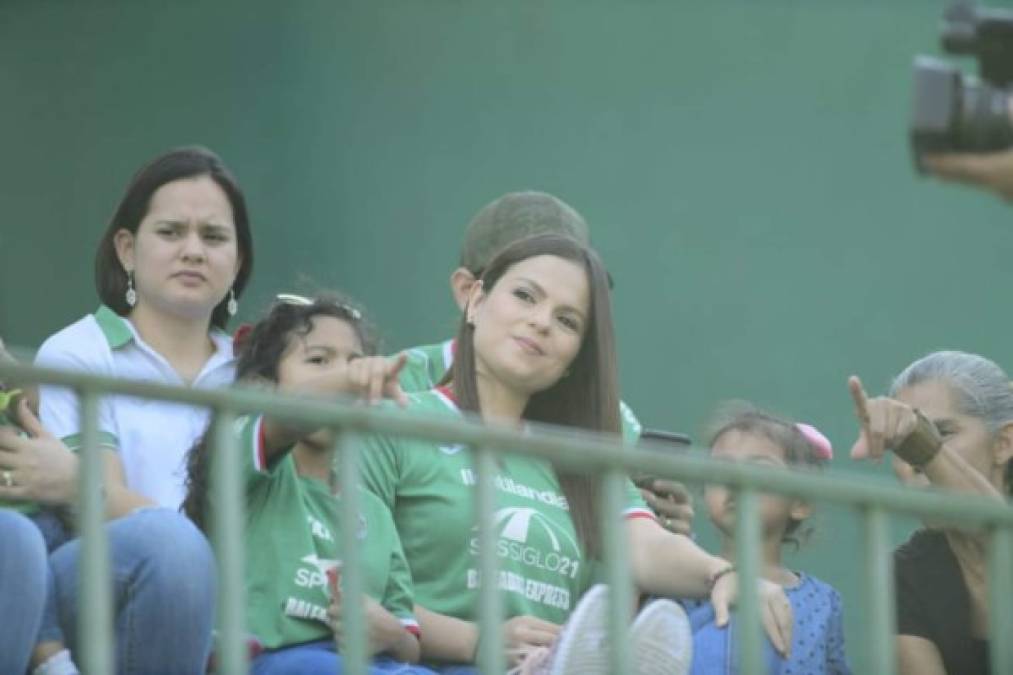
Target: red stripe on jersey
(261, 446)
(639, 513)
(448, 393)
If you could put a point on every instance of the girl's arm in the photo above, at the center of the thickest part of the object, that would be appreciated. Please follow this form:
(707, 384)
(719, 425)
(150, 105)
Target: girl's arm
(370, 378)
(386, 634)
(445, 638)
(673, 565)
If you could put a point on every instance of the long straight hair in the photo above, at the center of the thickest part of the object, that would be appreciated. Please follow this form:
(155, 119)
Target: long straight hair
(586, 398)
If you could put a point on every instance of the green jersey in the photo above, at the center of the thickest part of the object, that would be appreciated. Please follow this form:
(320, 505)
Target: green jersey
(426, 366)
(430, 489)
(292, 541)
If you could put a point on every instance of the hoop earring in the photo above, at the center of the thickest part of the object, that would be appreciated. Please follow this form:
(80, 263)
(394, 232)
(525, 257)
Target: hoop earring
(233, 305)
(131, 295)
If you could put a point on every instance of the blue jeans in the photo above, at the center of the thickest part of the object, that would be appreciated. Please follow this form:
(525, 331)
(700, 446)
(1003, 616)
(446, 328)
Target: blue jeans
(320, 658)
(163, 584)
(23, 581)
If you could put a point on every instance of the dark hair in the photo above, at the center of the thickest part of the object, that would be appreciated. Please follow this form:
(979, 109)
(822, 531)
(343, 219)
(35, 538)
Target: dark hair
(798, 451)
(188, 162)
(259, 350)
(587, 397)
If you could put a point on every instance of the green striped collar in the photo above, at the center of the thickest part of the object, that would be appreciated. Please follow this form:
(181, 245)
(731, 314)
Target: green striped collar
(114, 327)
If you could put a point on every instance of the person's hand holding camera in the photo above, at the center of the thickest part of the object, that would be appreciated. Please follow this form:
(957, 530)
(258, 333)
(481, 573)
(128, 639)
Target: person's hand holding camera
(991, 171)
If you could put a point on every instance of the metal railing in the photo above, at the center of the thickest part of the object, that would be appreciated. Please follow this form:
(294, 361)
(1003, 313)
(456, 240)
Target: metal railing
(568, 449)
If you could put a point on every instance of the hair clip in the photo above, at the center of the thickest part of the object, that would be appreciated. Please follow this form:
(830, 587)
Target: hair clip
(819, 442)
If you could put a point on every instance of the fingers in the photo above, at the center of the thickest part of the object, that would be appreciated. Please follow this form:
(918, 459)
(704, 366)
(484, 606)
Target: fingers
(860, 449)
(720, 611)
(861, 400)
(29, 421)
(773, 624)
(14, 493)
(396, 364)
(672, 490)
(964, 168)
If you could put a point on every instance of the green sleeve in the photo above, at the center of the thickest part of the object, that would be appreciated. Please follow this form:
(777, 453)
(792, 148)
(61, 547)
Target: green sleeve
(106, 440)
(380, 467)
(415, 375)
(399, 596)
(253, 465)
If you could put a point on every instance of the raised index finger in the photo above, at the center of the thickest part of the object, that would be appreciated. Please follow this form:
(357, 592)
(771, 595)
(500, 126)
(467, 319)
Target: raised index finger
(861, 400)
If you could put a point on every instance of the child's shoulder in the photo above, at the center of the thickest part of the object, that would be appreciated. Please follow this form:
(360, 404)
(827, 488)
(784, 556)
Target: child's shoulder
(810, 589)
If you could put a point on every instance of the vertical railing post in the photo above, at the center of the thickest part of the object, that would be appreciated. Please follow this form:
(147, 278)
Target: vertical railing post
(227, 529)
(749, 564)
(95, 626)
(1000, 600)
(353, 645)
(490, 655)
(617, 568)
(879, 592)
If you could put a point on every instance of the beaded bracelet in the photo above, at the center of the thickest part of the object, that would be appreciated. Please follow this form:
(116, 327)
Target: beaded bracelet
(713, 580)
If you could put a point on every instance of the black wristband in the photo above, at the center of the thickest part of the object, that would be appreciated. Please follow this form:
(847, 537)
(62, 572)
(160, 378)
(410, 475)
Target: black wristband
(922, 445)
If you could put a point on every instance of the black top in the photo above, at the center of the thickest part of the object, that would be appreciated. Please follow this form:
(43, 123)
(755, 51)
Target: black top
(933, 602)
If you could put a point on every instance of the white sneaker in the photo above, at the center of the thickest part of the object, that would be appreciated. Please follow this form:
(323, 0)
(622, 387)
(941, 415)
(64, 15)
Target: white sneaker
(661, 640)
(580, 648)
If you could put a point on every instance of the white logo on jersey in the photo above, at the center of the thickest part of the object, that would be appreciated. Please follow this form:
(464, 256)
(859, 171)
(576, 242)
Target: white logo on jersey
(516, 524)
(451, 449)
(316, 577)
(319, 530)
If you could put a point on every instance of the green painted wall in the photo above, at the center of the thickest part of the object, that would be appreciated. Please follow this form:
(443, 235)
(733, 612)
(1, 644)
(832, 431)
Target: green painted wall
(743, 165)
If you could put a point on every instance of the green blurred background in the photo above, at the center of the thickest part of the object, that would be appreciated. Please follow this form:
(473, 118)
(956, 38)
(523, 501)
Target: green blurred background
(743, 164)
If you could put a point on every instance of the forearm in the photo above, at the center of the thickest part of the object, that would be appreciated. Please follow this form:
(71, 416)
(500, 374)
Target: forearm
(669, 564)
(405, 648)
(445, 638)
(950, 471)
(121, 500)
(389, 636)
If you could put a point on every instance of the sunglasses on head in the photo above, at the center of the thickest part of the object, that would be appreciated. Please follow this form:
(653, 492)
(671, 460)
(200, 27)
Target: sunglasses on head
(302, 301)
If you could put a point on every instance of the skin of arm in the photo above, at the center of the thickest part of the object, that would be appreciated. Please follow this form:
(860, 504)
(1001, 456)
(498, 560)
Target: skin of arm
(918, 656)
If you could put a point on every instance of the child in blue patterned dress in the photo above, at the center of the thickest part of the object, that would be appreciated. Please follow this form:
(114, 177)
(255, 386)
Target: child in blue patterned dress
(746, 434)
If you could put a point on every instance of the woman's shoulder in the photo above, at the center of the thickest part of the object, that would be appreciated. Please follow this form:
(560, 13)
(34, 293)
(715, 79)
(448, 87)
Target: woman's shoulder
(87, 342)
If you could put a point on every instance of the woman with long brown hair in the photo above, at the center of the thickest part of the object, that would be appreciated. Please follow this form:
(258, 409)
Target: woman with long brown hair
(536, 343)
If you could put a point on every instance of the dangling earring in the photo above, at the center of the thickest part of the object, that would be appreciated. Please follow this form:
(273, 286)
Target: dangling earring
(233, 306)
(131, 296)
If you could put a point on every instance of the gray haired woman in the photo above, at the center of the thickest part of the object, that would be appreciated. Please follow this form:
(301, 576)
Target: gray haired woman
(948, 420)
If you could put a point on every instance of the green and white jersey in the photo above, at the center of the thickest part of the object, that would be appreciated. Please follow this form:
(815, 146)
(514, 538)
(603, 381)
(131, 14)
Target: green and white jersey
(292, 541)
(426, 366)
(430, 489)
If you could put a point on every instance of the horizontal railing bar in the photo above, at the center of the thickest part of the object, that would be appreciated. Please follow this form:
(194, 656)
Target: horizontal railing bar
(567, 447)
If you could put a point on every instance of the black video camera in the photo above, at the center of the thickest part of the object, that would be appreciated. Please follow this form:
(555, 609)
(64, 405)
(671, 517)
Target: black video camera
(954, 112)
